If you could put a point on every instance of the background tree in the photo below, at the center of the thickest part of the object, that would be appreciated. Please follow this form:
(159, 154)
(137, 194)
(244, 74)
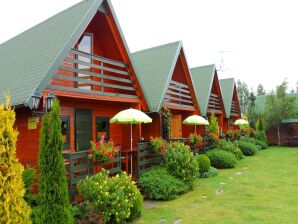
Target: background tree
(297, 87)
(54, 202)
(261, 90)
(243, 94)
(278, 106)
(13, 208)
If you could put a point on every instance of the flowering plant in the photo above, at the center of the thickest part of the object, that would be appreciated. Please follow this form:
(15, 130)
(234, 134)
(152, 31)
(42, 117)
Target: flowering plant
(158, 145)
(103, 151)
(213, 138)
(230, 134)
(195, 139)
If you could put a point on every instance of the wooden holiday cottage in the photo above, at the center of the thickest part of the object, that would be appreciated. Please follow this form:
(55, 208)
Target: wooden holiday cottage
(166, 81)
(231, 102)
(207, 89)
(79, 55)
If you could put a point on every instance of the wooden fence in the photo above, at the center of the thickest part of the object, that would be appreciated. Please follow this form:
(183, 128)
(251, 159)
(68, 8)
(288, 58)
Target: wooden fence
(78, 166)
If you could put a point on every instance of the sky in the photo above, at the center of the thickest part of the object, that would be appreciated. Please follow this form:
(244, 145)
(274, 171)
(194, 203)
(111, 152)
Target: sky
(254, 41)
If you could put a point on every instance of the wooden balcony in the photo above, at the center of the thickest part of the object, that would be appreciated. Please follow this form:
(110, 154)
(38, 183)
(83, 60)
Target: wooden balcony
(214, 104)
(87, 73)
(178, 95)
(234, 109)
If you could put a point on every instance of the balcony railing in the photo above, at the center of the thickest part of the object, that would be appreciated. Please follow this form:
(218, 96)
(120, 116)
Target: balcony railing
(234, 109)
(88, 73)
(178, 95)
(214, 103)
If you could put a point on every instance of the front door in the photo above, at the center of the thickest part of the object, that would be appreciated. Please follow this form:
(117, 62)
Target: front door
(83, 128)
(176, 126)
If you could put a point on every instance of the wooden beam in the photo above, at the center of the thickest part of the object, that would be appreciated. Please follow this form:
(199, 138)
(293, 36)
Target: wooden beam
(179, 84)
(92, 82)
(98, 58)
(99, 93)
(179, 106)
(178, 99)
(80, 62)
(178, 89)
(178, 94)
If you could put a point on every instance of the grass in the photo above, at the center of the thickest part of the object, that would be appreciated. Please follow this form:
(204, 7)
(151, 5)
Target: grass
(266, 191)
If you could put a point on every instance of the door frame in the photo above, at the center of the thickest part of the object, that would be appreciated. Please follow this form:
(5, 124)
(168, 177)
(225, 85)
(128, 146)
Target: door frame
(75, 126)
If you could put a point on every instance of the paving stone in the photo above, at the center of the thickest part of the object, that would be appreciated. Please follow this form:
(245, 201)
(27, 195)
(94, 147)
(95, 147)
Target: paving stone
(177, 221)
(149, 205)
(222, 183)
(162, 220)
(218, 191)
(239, 173)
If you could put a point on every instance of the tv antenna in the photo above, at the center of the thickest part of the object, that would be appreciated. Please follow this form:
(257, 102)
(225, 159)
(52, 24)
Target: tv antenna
(222, 66)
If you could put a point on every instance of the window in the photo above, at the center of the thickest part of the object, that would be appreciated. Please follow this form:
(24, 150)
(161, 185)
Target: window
(102, 128)
(85, 45)
(65, 130)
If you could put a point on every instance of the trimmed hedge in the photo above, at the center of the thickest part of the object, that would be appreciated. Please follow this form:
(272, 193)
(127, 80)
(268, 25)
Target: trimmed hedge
(262, 144)
(204, 163)
(230, 147)
(212, 172)
(158, 184)
(247, 148)
(221, 159)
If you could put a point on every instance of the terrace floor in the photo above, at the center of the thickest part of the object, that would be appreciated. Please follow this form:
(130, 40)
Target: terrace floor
(261, 189)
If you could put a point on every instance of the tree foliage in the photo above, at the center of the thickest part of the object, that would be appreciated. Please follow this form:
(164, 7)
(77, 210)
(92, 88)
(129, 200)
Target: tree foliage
(243, 95)
(13, 208)
(213, 125)
(252, 112)
(259, 125)
(54, 202)
(261, 90)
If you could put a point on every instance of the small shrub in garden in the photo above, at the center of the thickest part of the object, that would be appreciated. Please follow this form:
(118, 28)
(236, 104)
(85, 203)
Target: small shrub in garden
(222, 159)
(195, 139)
(247, 148)
(263, 144)
(212, 172)
(261, 135)
(103, 151)
(204, 163)
(181, 163)
(116, 199)
(230, 134)
(158, 184)
(230, 147)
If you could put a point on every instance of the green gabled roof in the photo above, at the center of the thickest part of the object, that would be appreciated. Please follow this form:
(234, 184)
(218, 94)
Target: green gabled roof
(227, 91)
(155, 67)
(29, 60)
(202, 78)
(261, 101)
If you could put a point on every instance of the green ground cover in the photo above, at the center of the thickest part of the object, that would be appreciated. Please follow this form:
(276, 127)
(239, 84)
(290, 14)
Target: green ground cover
(261, 189)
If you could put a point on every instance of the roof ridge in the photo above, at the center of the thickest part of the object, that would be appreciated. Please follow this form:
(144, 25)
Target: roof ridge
(159, 46)
(38, 24)
(202, 66)
(226, 79)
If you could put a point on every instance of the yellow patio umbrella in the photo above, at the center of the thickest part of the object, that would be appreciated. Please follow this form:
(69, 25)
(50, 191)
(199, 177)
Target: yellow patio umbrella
(241, 122)
(195, 120)
(131, 116)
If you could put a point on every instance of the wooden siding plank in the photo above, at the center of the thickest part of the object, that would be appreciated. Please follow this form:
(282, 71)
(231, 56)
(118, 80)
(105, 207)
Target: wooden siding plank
(179, 94)
(178, 89)
(179, 84)
(178, 99)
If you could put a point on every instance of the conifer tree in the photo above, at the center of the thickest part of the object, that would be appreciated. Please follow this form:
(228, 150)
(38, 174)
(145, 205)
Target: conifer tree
(54, 201)
(259, 125)
(13, 208)
(213, 125)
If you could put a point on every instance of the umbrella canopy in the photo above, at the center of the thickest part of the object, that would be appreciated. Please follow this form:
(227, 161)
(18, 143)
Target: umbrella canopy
(131, 116)
(195, 120)
(241, 122)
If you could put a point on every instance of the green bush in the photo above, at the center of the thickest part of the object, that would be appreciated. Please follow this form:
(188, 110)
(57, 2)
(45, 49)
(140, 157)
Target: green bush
(116, 198)
(230, 147)
(158, 184)
(204, 163)
(181, 163)
(262, 144)
(247, 148)
(221, 159)
(261, 135)
(28, 180)
(212, 172)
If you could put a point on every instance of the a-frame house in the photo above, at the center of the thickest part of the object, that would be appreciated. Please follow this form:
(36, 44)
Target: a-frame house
(231, 102)
(166, 81)
(207, 88)
(81, 56)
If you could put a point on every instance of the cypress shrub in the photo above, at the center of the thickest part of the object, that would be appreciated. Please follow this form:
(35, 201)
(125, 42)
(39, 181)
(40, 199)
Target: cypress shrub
(221, 159)
(53, 194)
(13, 208)
(204, 163)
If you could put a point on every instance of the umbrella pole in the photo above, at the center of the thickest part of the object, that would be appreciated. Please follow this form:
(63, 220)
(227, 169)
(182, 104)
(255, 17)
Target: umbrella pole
(195, 128)
(131, 149)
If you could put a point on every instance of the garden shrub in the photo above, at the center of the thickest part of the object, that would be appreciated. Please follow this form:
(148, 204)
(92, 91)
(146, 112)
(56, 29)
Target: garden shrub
(181, 163)
(212, 172)
(230, 147)
(247, 148)
(262, 144)
(52, 183)
(204, 163)
(13, 207)
(261, 135)
(158, 184)
(28, 179)
(222, 159)
(116, 198)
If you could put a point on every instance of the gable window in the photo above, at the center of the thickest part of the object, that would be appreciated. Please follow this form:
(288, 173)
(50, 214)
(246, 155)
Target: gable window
(65, 130)
(84, 45)
(102, 128)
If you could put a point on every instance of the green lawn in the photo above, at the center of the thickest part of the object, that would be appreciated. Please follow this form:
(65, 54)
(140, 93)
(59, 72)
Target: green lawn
(265, 191)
